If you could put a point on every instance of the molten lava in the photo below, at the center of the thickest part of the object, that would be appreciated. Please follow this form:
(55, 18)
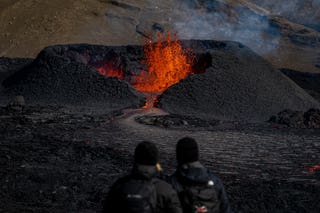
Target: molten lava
(314, 168)
(151, 99)
(166, 62)
(110, 72)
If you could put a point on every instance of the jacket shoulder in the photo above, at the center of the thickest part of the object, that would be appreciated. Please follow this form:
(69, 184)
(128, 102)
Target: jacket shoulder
(167, 198)
(215, 179)
(162, 186)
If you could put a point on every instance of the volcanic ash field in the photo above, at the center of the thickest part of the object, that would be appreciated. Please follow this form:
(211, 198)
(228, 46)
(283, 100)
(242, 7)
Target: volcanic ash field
(87, 106)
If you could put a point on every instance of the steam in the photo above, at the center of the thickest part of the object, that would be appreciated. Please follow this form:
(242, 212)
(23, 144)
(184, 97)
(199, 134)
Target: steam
(290, 6)
(219, 21)
(302, 11)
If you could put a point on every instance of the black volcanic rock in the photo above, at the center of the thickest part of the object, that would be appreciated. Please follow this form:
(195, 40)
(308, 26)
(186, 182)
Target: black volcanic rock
(312, 118)
(233, 83)
(289, 118)
(298, 119)
(240, 85)
(63, 75)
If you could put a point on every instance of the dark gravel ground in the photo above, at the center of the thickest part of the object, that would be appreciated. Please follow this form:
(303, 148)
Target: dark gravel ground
(63, 159)
(59, 160)
(45, 168)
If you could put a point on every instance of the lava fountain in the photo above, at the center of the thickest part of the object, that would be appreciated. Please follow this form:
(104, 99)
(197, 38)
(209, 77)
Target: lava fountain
(166, 62)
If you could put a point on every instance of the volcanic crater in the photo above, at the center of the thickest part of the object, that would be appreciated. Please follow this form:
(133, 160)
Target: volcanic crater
(206, 79)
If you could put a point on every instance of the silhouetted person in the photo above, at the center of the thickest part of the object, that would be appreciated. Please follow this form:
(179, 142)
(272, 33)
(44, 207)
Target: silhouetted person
(199, 190)
(141, 191)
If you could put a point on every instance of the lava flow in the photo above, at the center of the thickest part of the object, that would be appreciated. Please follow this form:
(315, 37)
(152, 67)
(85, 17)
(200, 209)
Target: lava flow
(314, 169)
(107, 71)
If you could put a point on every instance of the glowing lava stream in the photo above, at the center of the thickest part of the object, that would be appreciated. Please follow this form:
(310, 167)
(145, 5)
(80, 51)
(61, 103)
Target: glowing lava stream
(314, 169)
(151, 99)
(107, 71)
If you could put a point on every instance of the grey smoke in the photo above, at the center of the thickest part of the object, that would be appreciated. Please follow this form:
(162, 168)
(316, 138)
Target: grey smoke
(305, 12)
(290, 6)
(215, 20)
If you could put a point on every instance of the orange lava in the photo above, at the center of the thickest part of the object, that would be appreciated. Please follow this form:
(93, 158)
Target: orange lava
(166, 62)
(110, 72)
(314, 168)
(151, 99)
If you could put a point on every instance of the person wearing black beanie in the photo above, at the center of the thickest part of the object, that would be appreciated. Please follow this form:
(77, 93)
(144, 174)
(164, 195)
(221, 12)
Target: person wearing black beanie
(146, 153)
(199, 189)
(141, 191)
(187, 151)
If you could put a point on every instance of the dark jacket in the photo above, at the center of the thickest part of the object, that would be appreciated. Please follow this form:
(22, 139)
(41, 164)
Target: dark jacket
(167, 198)
(195, 173)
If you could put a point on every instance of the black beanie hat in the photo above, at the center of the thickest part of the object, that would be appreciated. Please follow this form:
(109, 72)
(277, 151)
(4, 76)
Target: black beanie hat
(187, 150)
(146, 153)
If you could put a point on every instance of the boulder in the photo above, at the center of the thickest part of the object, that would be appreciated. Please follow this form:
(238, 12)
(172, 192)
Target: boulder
(298, 119)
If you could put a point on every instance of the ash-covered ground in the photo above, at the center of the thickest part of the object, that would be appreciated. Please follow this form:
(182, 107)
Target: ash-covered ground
(63, 158)
(56, 159)
(76, 134)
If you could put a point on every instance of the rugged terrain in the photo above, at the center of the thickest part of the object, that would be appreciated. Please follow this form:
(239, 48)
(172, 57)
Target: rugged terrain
(63, 158)
(29, 26)
(56, 159)
(230, 82)
(306, 12)
(76, 133)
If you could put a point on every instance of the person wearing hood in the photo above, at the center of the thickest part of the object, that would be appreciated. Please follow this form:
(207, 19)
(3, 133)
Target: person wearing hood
(199, 190)
(141, 191)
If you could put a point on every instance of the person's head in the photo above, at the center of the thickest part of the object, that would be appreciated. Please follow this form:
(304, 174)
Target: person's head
(187, 151)
(146, 153)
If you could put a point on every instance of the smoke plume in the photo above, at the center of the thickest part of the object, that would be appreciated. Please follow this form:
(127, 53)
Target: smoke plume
(216, 20)
(306, 12)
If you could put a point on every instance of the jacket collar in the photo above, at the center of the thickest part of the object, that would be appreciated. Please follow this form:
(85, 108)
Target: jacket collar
(193, 172)
(195, 164)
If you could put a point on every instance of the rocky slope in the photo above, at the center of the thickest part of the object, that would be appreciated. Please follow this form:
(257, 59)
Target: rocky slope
(28, 26)
(234, 88)
(231, 82)
(306, 12)
(61, 75)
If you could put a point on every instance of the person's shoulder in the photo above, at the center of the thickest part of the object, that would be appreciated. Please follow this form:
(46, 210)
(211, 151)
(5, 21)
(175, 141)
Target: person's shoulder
(158, 181)
(215, 178)
(212, 174)
(171, 178)
(161, 185)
